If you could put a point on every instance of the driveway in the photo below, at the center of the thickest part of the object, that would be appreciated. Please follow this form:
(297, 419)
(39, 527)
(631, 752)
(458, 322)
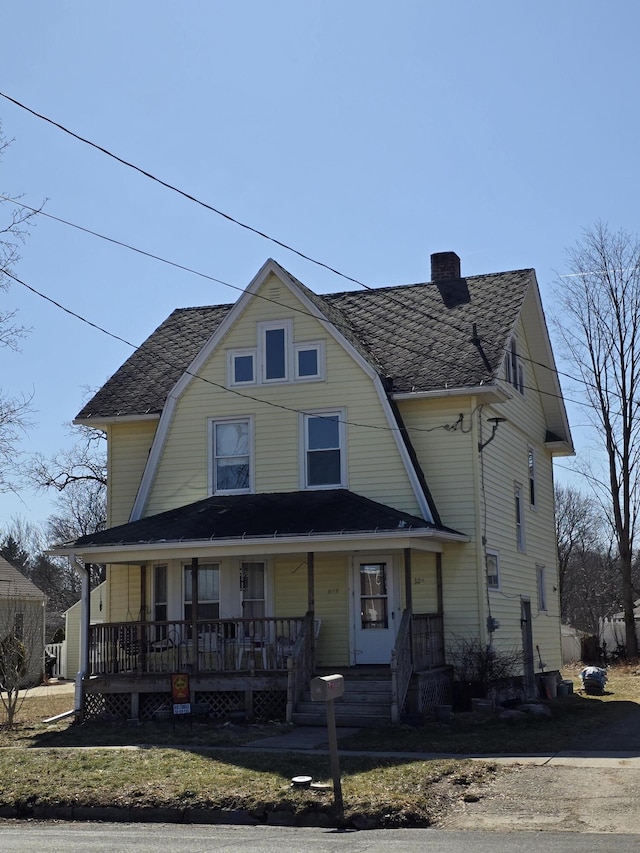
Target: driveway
(594, 789)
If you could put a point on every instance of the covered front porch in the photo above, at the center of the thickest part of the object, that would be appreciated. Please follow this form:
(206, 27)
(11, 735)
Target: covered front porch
(250, 618)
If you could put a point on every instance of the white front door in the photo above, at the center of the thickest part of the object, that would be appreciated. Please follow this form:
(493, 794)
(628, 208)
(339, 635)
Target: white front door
(374, 616)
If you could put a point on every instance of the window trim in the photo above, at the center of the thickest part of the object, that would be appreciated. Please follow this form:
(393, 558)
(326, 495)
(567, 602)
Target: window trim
(492, 552)
(342, 447)
(187, 567)
(519, 509)
(319, 347)
(268, 326)
(231, 365)
(541, 583)
(211, 485)
(533, 490)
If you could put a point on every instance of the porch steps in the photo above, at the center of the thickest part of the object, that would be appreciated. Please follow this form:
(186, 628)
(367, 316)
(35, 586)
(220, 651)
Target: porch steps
(366, 701)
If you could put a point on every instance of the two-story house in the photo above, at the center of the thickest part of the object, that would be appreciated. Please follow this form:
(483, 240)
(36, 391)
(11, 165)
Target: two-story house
(350, 481)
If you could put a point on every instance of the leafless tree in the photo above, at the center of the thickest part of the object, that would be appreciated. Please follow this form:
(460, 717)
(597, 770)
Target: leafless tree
(14, 410)
(599, 306)
(21, 651)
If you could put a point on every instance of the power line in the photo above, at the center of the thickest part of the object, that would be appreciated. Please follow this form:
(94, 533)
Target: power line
(217, 385)
(239, 223)
(299, 310)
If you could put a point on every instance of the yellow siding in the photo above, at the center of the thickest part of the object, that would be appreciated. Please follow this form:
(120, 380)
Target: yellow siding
(124, 593)
(183, 471)
(424, 588)
(331, 601)
(129, 444)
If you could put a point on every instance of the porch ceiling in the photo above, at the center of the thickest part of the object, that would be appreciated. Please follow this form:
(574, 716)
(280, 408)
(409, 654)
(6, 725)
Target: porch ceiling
(332, 519)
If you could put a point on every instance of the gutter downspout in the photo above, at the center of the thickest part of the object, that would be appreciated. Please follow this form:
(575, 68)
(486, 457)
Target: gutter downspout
(85, 616)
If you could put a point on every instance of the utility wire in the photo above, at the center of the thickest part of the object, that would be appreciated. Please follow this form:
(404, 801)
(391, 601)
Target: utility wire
(169, 363)
(299, 310)
(228, 217)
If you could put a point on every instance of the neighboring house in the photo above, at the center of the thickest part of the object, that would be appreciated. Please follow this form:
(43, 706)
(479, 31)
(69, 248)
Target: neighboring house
(22, 614)
(612, 630)
(302, 483)
(70, 663)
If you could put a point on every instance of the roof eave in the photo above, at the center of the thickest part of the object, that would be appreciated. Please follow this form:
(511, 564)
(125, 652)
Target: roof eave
(100, 420)
(490, 393)
(420, 539)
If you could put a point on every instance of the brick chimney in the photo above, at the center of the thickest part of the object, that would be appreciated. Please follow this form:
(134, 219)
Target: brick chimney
(445, 266)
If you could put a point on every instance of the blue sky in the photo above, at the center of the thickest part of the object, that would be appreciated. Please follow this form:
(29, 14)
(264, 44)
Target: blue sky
(365, 134)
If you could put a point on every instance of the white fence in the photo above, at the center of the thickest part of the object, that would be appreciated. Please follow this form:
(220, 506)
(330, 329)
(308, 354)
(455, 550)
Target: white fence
(58, 651)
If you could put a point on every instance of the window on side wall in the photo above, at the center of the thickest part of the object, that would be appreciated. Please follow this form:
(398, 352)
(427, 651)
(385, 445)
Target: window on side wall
(542, 589)
(519, 511)
(231, 456)
(531, 460)
(493, 569)
(323, 450)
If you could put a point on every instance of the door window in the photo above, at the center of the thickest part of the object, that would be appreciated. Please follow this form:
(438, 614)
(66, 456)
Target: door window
(374, 611)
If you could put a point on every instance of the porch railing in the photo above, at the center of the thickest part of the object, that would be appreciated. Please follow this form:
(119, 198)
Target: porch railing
(427, 639)
(419, 646)
(300, 663)
(218, 645)
(401, 666)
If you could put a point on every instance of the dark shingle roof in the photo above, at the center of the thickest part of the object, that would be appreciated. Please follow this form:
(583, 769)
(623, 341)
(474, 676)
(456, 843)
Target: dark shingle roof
(13, 584)
(263, 515)
(141, 385)
(418, 337)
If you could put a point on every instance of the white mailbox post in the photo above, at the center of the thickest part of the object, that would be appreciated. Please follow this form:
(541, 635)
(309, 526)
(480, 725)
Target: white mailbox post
(326, 688)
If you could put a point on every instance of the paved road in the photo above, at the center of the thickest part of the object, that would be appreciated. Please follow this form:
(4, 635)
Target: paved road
(138, 838)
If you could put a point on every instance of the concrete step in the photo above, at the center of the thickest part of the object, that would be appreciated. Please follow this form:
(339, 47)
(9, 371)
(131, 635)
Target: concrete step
(360, 721)
(347, 709)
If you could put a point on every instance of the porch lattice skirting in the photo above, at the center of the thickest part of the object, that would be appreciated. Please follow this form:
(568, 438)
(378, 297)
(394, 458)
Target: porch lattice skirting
(260, 704)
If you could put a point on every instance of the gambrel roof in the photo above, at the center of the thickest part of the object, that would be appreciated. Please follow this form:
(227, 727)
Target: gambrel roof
(418, 338)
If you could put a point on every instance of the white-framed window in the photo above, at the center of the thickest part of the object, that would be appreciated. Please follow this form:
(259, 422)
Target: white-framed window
(274, 339)
(519, 510)
(542, 589)
(231, 442)
(308, 361)
(531, 463)
(242, 367)
(160, 600)
(492, 559)
(324, 463)
(253, 588)
(208, 592)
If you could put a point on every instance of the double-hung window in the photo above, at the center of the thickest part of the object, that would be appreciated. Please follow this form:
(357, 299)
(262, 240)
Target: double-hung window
(208, 592)
(542, 587)
(231, 456)
(519, 510)
(493, 569)
(324, 462)
(531, 461)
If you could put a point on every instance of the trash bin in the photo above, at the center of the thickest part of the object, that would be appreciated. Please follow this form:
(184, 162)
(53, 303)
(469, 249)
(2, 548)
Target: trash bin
(550, 686)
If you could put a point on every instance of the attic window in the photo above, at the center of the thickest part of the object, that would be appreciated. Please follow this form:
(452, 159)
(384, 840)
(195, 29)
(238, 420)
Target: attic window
(242, 367)
(309, 361)
(274, 340)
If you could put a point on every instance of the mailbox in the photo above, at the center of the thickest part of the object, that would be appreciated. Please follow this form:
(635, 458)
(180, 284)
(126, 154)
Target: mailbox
(326, 687)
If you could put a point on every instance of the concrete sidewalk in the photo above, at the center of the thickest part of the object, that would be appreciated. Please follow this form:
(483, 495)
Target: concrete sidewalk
(56, 686)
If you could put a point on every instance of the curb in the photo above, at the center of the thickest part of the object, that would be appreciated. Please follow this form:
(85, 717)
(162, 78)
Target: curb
(133, 814)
